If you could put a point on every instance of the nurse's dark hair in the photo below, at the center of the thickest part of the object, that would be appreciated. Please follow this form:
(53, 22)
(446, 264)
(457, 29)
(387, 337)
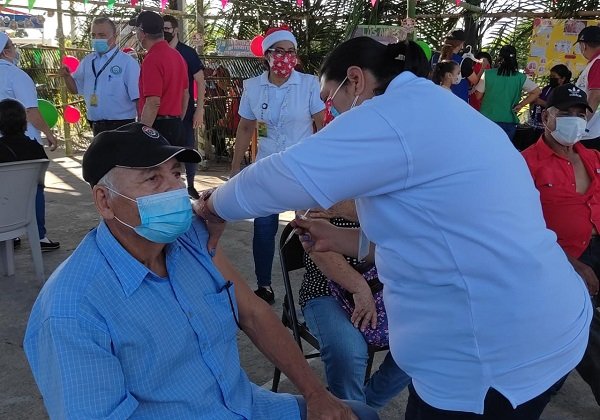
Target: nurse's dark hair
(13, 118)
(385, 62)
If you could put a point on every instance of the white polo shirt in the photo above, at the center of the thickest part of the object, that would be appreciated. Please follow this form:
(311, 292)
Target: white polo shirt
(16, 84)
(286, 110)
(117, 85)
(478, 293)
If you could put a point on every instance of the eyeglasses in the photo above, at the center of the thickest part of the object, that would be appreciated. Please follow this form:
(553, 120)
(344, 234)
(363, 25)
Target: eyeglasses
(282, 51)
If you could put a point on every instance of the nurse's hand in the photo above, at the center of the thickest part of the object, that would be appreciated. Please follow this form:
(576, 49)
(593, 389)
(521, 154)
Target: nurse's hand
(344, 209)
(321, 236)
(214, 223)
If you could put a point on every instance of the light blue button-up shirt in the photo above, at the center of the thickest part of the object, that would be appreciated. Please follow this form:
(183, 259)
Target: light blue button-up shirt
(107, 338)
(478, 293)
(117, 85)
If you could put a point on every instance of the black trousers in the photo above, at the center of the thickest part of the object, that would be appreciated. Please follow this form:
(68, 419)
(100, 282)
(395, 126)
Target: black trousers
(106, 125)
(589, 367)
(497, 407)
(171, 129)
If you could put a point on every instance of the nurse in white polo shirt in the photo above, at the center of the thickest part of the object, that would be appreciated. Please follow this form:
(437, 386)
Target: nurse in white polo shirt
(16, 84)
(108, 80)
(283, 104)
(485, 312)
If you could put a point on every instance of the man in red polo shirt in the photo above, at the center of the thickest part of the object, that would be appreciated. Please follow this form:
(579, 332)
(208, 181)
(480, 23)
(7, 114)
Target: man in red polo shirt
(567, 175)
(163, 83)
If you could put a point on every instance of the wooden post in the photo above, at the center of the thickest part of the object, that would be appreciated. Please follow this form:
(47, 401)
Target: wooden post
(411, 12)
(63, 92)
(201, 132)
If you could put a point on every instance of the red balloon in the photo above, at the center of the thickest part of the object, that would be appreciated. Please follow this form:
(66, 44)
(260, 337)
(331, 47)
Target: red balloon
(71, 62)
(72, 114)
(256, 45)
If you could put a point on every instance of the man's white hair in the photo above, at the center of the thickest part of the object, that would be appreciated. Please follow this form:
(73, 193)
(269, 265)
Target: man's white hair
(110, 181)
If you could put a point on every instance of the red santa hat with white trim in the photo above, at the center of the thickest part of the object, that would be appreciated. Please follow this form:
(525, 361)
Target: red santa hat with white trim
(275, 35)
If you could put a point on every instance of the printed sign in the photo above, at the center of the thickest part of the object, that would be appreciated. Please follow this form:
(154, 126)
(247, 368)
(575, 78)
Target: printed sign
(552, 44)
(382, 33)
(234, 48)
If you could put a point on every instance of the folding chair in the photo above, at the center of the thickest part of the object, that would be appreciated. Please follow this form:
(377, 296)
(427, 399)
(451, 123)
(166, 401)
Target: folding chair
(291, 257)
(17, 211)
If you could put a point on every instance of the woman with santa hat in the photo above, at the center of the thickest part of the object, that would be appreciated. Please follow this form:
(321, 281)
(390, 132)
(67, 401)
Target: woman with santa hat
(285, 106)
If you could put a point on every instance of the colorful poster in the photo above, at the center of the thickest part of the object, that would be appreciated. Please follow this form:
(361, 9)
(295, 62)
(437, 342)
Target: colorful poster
(553, 42)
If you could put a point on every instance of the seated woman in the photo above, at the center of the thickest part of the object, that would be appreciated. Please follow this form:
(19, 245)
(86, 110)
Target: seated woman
(344, 351)
(16, 146)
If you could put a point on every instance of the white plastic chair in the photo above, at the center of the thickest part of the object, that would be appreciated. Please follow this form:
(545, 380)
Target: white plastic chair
(18, 187)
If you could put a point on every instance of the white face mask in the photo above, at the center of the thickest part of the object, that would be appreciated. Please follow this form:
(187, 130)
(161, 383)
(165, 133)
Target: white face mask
(457, 79)
(569, 130)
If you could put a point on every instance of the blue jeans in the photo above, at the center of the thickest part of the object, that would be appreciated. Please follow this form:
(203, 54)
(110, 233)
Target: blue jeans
(509, 128)
(40, 211)
(360, 410)
(189, 141)
(344, 353)
(263, 247)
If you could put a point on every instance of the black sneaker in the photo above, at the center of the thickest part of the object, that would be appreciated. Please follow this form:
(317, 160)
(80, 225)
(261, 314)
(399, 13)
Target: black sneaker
(49, 246)
(193, 193)
(265, 294)
(17, 242)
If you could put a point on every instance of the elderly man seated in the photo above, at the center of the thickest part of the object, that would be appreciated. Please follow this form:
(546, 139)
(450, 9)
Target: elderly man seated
(140, 321)
(567, 176)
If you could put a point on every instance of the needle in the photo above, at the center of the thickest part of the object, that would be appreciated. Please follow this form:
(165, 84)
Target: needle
(294, 231)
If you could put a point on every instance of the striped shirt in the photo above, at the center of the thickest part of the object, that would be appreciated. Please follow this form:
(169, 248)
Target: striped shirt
(109, 338)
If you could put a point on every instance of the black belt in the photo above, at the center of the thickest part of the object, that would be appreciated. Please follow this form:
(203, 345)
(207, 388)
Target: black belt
(167, 117)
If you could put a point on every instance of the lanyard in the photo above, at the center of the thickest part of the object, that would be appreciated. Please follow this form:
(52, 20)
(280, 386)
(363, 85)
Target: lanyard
(97, 75)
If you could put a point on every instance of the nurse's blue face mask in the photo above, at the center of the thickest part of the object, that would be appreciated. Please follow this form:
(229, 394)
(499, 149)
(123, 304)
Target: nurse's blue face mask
(163, 217)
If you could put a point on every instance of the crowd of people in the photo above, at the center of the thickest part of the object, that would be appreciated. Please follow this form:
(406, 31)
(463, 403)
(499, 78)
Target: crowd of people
(478, 265)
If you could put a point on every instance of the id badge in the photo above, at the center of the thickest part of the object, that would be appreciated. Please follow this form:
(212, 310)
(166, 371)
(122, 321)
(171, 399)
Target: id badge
(94, 100)
(262, 129)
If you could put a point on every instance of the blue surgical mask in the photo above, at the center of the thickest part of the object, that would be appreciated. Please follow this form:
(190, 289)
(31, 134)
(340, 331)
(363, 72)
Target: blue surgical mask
(100, 45)
(164, 217)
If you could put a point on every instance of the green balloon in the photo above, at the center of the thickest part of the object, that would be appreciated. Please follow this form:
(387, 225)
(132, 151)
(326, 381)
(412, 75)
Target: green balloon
(426, 48)
(48, 111)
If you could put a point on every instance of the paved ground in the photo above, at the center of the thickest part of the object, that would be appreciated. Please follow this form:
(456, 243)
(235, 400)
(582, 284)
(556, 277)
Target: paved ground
(70, 215)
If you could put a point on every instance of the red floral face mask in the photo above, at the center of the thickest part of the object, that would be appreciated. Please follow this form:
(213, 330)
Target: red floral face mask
(330, 111)
(282, 64)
